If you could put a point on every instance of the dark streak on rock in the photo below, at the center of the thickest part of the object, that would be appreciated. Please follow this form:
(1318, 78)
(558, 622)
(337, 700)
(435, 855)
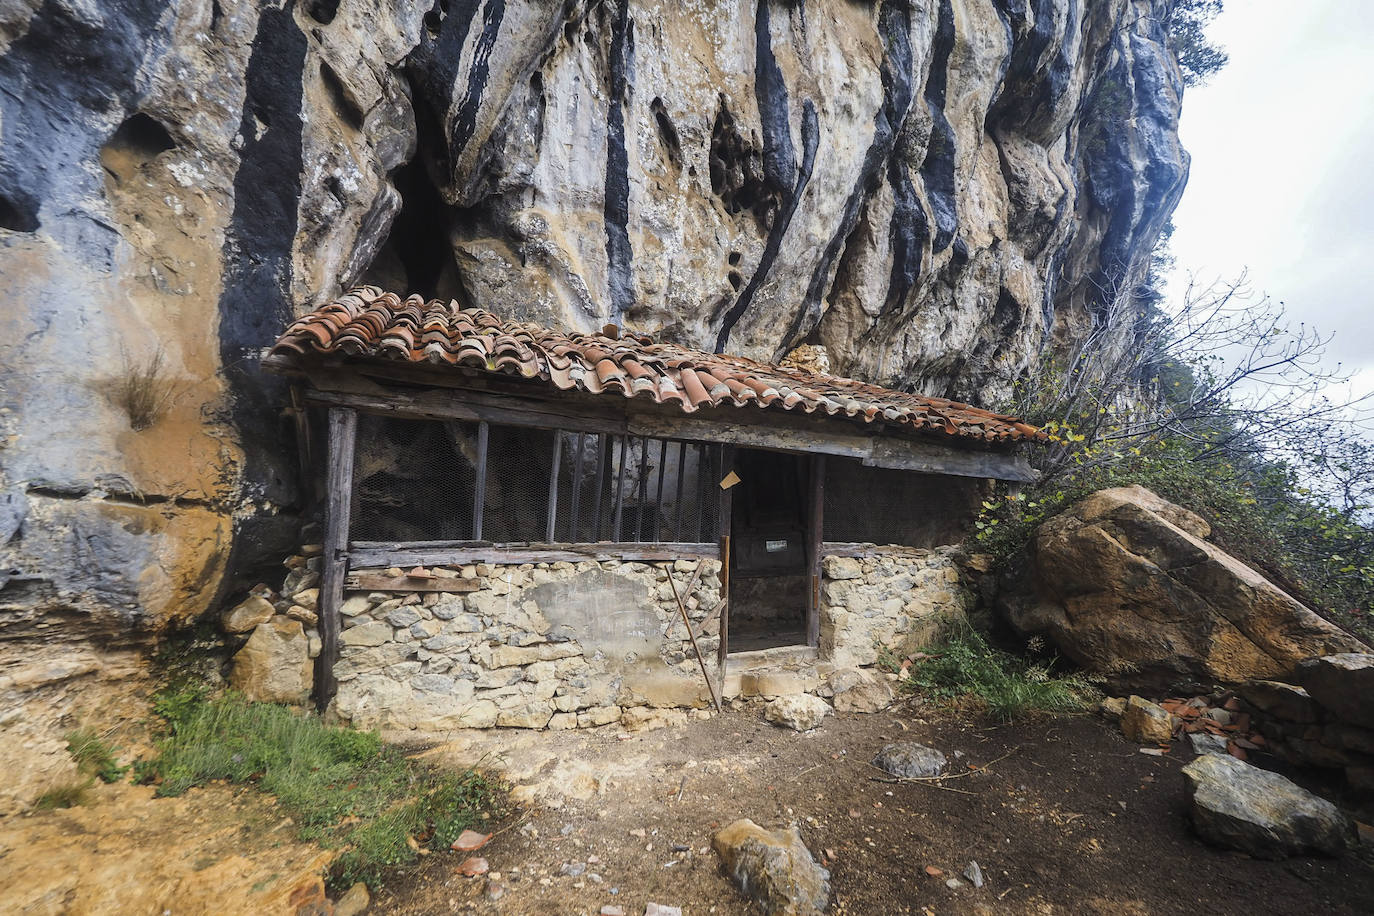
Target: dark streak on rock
(894, 25)
(811, 131)
(937, 172)
(770, 89)
(66, 64)
(465, 122)
(616, 207)
(256, 302)
(433, 71)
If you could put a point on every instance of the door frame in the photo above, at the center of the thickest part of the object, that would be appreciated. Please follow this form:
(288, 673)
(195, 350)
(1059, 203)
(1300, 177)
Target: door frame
(815, 527)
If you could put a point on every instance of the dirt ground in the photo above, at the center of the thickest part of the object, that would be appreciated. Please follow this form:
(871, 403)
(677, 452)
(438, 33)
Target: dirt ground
(1067, 818)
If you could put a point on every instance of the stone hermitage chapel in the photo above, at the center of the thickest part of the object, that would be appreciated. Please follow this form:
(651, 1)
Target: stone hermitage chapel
(535, 529)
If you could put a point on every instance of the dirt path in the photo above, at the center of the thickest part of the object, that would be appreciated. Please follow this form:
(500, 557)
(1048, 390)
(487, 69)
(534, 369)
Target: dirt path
(1075, 820)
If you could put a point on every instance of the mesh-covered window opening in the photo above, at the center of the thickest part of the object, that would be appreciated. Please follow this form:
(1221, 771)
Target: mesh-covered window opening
(870, 505)
(416, 480)
(867, 505)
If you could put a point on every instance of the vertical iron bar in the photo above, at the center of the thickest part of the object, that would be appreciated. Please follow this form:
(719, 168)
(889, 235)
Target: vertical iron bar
(703, 481)
(479, 490)
(573, 534)
(601, 452)
(553, 485)
(681, 479)
(619, 490)
(643, 487)
(658, 498)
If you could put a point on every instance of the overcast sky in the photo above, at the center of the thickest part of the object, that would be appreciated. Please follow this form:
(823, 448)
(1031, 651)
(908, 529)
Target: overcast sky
(1282, 179)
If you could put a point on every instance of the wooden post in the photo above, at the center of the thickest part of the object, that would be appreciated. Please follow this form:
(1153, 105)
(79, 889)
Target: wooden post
(816, 532)
(343, 429)
(727, 464)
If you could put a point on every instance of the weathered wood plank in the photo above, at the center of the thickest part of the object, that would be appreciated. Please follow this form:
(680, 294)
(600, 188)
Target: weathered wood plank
(848, 549)
(363, 581)
(405, 556)
(457, 405)
(343, 430)
(929, 458)
(875, 451)
(724, 510)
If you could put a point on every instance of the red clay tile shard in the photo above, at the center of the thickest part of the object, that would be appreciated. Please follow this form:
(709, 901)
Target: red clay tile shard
(470, 840)
(368, 323)
(474, 866)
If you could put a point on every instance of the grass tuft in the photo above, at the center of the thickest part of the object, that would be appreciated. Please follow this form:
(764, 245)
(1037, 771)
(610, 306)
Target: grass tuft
(144, 391)
(93, 755)
(66, 795)
(341, 787)
(964, 666)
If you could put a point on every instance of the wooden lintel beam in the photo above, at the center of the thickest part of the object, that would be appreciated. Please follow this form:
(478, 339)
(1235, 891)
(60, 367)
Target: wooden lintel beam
(404, 555)
(874, 451)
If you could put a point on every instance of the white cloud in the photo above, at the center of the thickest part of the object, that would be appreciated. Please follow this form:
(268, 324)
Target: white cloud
(1281, 180)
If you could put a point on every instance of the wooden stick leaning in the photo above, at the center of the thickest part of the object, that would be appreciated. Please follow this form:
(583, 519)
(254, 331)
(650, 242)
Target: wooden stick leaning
(692, 636)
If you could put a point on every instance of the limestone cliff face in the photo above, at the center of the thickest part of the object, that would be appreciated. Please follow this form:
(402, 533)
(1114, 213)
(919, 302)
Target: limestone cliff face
(931, 190)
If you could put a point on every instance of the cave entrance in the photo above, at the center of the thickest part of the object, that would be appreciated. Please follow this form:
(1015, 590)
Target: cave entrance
(775, 551)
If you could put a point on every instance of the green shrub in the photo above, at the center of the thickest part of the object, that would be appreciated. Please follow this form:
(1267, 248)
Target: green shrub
(964, 665)
(341, 787)
(93, 756)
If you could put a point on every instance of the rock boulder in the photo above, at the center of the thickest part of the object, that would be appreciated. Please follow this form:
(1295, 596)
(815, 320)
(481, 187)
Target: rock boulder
(909, 760)
(1243, 807)
(774, 868)
(1125, 586)
(1146, 723)
(1343, 684)
(800, 711)
(857, 690)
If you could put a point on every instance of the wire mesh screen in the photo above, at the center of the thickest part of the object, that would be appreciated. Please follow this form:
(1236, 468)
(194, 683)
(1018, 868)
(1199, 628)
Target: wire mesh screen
(417, 480)
(413, 480)
(870, 505)
(884, 506)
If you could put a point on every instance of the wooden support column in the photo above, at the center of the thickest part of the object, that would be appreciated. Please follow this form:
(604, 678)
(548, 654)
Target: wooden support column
(815, 533)
(727, 464)
(343, 431)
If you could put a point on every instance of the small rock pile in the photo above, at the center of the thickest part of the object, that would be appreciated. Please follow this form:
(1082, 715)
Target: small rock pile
(1213, 724)
(275, 664)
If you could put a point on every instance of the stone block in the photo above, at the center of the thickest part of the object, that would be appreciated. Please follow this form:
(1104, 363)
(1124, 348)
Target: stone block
(1146, 723)
(402, 617)
(274, 666)
(369, 634)
(247, 615)
(1285, 701)
(841, 568)
(598, 715)
(506, 656)
(535, 714)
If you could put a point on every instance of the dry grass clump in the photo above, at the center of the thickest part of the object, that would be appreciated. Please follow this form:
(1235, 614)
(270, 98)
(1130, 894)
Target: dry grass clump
(144, 390)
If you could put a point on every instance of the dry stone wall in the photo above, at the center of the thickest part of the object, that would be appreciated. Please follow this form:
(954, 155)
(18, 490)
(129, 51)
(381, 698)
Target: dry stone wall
(557, 645)
(576, 645)
(896, 599)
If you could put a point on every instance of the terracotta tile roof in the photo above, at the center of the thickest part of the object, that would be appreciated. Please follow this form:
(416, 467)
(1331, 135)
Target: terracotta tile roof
(370, 323)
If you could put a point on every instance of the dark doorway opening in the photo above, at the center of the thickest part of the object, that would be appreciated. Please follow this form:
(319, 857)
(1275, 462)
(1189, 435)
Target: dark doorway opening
(771, 576)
